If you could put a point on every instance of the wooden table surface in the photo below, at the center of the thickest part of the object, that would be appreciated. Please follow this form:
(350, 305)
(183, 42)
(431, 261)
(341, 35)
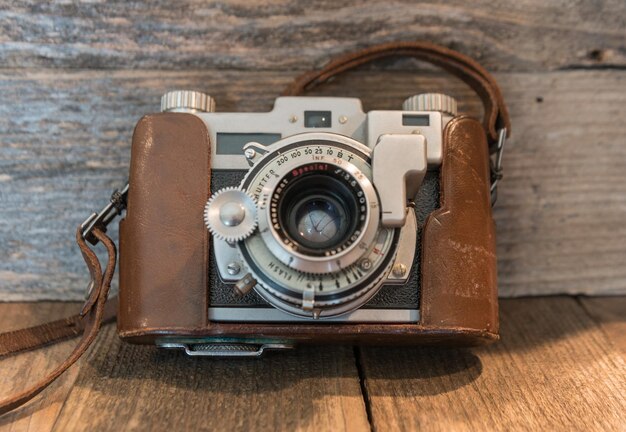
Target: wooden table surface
(559, 366)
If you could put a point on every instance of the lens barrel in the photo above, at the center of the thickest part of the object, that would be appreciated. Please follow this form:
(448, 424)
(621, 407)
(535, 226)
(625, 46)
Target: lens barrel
(320, 249)
(318, 210)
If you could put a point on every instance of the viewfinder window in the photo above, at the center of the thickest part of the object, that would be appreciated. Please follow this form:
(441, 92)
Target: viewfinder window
(415, 120)
(317, 119)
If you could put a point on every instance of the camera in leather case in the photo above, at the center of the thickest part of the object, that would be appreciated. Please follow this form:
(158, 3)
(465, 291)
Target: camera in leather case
(318, 216)
(315, 222)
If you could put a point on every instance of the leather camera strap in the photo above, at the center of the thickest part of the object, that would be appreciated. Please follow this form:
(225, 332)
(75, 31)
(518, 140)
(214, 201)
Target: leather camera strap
(94, 312)
(496, 114)
(96, 309)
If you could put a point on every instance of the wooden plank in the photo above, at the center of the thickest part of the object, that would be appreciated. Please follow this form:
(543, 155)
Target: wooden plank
(610, 313)
(511, 35)
(554, 369)
(19, 371)
(123, 386)
(118, 386)
(65, 146)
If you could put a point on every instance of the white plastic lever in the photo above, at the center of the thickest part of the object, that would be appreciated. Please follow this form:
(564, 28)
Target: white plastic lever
(399, 165)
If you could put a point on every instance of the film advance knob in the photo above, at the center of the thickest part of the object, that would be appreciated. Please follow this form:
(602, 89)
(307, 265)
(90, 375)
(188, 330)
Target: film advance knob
(431, 102)
(230, 215)
(188, 101)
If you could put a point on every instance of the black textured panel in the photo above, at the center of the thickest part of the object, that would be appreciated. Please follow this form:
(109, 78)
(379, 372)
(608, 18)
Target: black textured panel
(220, 293)
(389, 296)
(224, 178)
(407, 296)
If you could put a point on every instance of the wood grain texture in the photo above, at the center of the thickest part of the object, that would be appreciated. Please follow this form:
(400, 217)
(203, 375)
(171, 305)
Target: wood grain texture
(610, 314)
(65, 144)
(130, 387)
(17, 372)
(526, 35)
(554, 369)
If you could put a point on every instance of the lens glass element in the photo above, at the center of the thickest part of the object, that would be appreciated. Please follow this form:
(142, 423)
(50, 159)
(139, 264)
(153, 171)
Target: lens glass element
(320, 221)
(319, 210)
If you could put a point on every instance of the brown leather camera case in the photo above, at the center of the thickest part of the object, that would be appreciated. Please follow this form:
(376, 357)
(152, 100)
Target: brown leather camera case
(164, 247)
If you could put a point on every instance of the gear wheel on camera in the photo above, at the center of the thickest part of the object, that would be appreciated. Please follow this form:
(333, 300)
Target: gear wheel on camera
(230, 215)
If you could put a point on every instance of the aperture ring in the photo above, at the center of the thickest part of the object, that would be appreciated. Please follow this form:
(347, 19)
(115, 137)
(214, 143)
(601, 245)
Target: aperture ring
(318, 183)
(319, 264)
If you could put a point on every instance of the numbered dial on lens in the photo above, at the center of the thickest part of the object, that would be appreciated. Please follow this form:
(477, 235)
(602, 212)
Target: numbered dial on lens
(328, 289)
(317, 210)
(230, 215)
(319, 248)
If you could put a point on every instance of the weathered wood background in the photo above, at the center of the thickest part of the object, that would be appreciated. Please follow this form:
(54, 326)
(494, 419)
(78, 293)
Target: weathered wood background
(75, 77)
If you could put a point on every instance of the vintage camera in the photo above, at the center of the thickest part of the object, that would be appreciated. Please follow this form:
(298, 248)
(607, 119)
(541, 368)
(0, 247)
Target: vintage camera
(317, 207)
(313, 223)
(308, 223)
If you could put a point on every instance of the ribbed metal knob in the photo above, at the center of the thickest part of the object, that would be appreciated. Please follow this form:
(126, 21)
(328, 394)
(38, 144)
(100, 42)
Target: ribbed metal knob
(431, 102)
(187, 101)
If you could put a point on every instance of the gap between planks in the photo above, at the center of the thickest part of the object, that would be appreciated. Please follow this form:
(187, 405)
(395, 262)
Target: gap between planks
(119, 385)
(556, 368)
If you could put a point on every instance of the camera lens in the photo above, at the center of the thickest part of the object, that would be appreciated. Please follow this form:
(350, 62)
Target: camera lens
(319, 212)
(318, 222)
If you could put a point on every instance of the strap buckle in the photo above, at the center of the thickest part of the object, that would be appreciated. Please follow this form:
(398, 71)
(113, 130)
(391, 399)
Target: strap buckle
(496, 165)
(102, 219)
